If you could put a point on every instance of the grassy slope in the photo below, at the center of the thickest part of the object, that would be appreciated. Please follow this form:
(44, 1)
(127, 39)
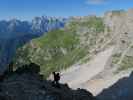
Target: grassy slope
(54, 51)
(60, 49)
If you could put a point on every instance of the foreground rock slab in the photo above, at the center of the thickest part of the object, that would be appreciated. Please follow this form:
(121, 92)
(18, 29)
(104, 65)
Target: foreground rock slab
(27, 84)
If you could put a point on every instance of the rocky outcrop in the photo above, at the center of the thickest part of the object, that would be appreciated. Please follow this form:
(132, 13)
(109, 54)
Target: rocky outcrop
(27, 84)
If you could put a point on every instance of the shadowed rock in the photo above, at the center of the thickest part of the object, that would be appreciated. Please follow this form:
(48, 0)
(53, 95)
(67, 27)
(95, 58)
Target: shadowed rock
(122, 90)
(27, 84)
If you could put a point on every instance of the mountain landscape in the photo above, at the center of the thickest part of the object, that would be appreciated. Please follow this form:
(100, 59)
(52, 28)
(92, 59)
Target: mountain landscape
(59, 49)
(91, 52)
(66, 50)
(15, 33)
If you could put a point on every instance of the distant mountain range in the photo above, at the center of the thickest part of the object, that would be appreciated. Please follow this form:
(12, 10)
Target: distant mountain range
(14, 33)
(37, 26)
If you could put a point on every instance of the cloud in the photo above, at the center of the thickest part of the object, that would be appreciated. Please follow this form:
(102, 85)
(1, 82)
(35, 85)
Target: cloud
(96, 2)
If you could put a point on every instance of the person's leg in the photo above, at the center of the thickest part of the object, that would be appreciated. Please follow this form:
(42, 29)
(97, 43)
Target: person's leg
(57, 84)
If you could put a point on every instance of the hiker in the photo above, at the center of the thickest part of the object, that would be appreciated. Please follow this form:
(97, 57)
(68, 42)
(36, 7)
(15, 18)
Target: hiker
(10, 67)
(56, 79)
(7, 72)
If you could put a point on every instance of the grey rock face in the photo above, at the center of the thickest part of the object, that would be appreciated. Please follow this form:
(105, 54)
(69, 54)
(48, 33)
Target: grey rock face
(121, 27)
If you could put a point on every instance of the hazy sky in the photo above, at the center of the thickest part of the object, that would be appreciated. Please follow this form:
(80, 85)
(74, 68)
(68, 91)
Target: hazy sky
(27, 9)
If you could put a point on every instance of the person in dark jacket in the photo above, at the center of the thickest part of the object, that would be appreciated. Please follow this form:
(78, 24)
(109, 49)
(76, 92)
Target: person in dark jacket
(56, 79)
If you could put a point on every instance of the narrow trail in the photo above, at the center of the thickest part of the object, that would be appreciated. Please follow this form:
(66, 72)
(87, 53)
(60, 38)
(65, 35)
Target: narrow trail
(79, 74)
